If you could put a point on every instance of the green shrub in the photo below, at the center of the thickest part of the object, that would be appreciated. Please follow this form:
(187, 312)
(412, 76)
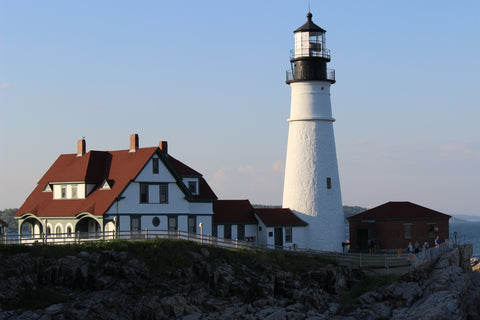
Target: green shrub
(348, 300)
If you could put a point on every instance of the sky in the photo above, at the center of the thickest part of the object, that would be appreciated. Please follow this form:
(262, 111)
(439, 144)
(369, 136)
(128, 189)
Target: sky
(209, 77)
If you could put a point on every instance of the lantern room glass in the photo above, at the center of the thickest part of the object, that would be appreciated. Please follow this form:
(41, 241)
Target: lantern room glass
(309, 44)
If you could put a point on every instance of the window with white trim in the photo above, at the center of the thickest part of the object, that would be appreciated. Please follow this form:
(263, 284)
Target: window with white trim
(135, 223)
(288, 234)
(155, 165)
(74, 191)
(164, 193)
(143, 193)
(172, 223)
(227, 231)
(407, 230)
(241, 232)
(192, 186)
(192, 222)
(432, 230)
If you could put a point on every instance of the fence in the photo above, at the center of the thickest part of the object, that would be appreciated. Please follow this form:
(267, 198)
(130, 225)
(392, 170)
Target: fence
(428, 255)
(350, 260)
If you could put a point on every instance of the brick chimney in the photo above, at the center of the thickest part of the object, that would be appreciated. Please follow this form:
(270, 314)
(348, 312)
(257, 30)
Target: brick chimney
(81, 147)
(163, 145)
(133, 142)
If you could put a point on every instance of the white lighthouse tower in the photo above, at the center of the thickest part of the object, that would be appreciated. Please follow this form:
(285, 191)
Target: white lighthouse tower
(312, 184)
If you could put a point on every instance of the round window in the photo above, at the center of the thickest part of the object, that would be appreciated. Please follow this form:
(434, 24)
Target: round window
(155, 221)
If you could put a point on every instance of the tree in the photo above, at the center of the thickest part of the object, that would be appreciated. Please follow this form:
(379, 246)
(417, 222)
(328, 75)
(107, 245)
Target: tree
(7, 216)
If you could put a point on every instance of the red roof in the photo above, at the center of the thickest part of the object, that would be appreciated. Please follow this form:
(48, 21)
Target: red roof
(233, 211)
(204, 191)
(279, 217)
(117, 167)
(399, 210)
(182, 168)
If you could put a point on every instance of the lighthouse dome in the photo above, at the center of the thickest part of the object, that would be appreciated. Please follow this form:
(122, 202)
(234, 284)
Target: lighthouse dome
(309, 25)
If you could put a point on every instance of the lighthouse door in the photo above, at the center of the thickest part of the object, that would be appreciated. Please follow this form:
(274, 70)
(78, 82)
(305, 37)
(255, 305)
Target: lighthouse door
(278, 237)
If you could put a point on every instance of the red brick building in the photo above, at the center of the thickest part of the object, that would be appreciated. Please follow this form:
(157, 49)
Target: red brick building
(394, 224)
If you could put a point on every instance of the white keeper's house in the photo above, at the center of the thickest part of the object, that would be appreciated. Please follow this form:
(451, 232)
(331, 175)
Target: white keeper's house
(130, 190)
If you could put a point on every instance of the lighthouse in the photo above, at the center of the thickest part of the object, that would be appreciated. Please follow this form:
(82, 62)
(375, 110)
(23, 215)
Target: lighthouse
(312, 184)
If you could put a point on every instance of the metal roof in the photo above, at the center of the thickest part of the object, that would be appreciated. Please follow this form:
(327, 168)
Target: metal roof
(309, 25)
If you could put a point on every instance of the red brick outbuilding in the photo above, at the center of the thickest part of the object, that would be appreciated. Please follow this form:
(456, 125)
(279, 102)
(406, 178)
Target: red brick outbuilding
(394, 224)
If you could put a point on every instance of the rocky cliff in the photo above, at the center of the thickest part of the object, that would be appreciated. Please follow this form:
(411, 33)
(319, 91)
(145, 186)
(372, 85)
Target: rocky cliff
(203, 283)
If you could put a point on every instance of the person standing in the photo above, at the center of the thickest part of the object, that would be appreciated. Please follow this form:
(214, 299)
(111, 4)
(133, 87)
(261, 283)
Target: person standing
(437, 242)
(417, 247)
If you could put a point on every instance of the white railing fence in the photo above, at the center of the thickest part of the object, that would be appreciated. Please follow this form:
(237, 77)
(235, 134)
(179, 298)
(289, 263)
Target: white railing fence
(351, 260)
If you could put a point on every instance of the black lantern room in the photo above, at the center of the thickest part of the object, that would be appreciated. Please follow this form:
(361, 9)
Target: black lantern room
(310, 56)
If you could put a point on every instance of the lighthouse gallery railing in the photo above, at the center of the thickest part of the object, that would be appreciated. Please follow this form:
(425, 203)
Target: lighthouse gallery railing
(330, 75)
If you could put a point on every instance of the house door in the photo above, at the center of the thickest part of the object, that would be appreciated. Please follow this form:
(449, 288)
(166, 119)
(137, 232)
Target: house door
(362, 239)
(278, 234)
(135, 227)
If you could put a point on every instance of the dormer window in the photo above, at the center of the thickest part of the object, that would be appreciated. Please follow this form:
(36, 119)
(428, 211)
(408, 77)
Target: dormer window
(192, 187)
(105, 185)
(68, 191)
(74, 191)
(48, 188)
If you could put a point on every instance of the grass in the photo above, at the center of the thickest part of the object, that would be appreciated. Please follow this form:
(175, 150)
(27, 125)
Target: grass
(172, 254)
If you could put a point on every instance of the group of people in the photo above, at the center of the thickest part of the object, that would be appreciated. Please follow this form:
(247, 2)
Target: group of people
(415, 248)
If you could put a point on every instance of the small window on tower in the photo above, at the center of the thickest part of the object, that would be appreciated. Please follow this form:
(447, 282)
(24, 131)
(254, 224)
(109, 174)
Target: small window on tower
(329, 183)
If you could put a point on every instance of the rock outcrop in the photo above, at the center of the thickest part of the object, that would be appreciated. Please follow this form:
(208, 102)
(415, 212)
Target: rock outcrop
(448, 290)
(116, 285)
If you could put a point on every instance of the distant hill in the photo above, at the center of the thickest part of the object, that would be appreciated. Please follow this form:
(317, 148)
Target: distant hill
(266, 206)
(348, 211)
(464, 217)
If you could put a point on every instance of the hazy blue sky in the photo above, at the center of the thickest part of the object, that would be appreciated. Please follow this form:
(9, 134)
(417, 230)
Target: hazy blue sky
(208, 76)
